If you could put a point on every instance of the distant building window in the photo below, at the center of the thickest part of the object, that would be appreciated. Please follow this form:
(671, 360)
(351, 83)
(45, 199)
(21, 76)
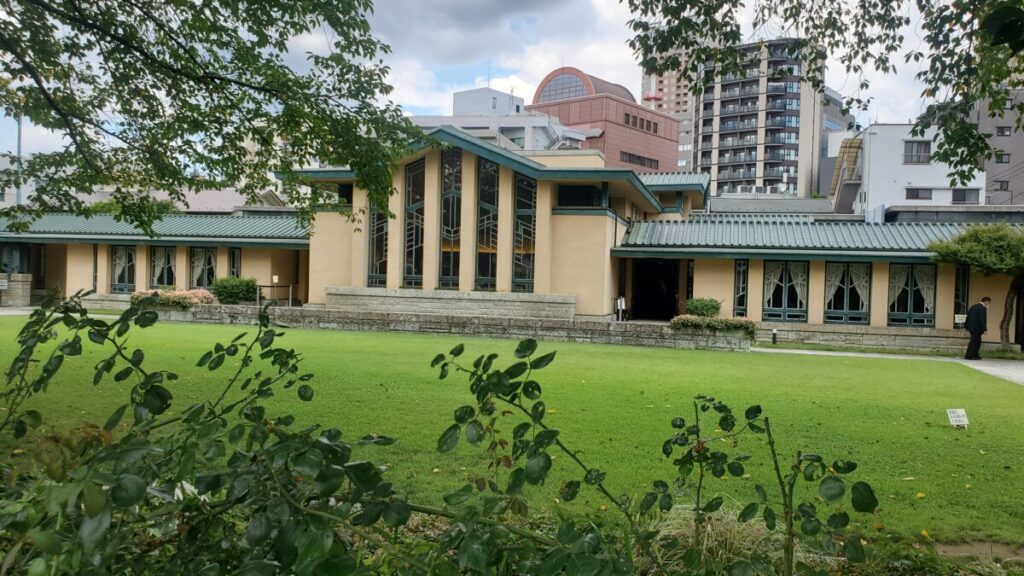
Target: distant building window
(635, 121)
(1002, 158)
(517, 108)
(579, 196)
(1002, 184)
(965, 196)
(562, 87)
(203, 263)
(625, 119)
(235, 262)
(648, 125)
(917, 152)
(638, 160)
(919, 193)
(494, 103)
(345, 193)
(1002, 130)
(162, 264)
(655, 127)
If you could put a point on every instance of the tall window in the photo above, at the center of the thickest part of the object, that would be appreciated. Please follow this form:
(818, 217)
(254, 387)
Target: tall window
(162, 265)
(961, 290)
(917, 152)
(785, 291)
(486, 225)
(414, 193)
(911, 294)
(451, 216)
(122, 269)
(524, 235)
(204, 267)
(847, 293)
(740, 283)
(377, 275)
(235, 262)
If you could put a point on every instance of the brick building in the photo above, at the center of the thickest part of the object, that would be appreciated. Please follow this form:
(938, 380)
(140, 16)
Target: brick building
(629, 135)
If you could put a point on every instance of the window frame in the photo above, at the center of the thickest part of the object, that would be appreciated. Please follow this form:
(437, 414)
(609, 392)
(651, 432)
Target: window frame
(1003, 158)
(740, 288)
(912, 319)
(916, 156)
(846, 315)
(206, 267)
(786, 313)
(235, 262)
(1004, 131)
(961, 292)
(450, 201)
(164, 250)
(918, 195)
(377, 263)
(524, 252)
(965, 192)
(413, 226)
(487, 225)
(131, 269)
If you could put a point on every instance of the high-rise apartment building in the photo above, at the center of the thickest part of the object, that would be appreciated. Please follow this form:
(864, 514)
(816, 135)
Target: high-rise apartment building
(759, 131)
(670, 93)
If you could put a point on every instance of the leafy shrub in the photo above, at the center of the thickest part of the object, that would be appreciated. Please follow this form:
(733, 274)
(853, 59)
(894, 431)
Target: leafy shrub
(181, 299)
(234, 290)
(703, 324)
(705, 307)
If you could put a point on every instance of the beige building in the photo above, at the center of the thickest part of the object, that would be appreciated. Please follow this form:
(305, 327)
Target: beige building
(670, 93)
(482, 231)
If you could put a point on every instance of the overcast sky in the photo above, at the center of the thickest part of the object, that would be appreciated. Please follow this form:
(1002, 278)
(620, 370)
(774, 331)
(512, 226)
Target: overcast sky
(442, 46)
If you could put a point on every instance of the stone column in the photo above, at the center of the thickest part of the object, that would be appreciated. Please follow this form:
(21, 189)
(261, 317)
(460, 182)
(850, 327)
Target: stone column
(506, 220)
(880, 294)
(467, 237)
(542, 254)
(396, 235)
(432, 220)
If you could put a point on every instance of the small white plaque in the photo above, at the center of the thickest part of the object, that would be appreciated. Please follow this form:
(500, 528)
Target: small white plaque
(959, 318)
(957, 417)
(3, 284)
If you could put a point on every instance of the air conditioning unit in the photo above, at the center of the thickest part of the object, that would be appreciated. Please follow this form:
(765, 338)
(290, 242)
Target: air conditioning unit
(775, 190)
(746, 189)
(758, 189)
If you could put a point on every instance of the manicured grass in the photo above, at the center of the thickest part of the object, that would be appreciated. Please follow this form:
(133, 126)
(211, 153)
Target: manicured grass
(614, 404)
(987, 354)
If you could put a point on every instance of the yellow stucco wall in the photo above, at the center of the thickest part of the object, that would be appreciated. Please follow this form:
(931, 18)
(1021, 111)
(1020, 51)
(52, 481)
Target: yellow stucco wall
(713, 278)
(103, 269)
(994, 287)
(79, 267)
(580, 264)
(467, 236)
(586, 160)
(395, 229)
(182, 268)
(755, 299)
(55, 268)
(944, 296)
(816, 292)
(432, 220)
(506, 215)
(330, 250)
(542, 257)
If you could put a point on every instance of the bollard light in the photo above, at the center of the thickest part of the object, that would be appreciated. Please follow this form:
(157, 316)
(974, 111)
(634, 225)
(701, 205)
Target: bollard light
(775, 336)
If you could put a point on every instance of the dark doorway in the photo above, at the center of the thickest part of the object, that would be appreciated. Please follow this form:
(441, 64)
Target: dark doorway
(1018, 315)
(655, 289)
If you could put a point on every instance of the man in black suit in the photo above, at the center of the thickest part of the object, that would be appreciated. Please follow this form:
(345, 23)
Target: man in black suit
(977, 325)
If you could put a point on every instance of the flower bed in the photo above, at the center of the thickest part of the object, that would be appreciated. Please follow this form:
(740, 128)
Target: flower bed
(704, 324)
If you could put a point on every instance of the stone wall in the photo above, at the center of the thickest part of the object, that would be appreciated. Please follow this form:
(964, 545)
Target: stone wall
(930, 339)
(19, 290)
(552, 330)
(450, 302)
(108, 301)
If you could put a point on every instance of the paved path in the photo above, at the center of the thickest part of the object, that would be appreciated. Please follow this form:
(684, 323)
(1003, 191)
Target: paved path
(1011, 370)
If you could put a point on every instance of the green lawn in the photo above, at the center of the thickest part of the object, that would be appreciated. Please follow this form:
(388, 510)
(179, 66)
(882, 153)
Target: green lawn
(614, 403)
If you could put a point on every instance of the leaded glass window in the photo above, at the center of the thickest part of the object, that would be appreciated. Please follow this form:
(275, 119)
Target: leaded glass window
(961, 289)
(378, 258)
(162, 266)
(847, 293)
(414, 194)
(203, 264)
(741, 279)
(562, 87)
(911, 294)
(122, 269)
(524, 234)
(785, 291)
(451, 216)
(235, 262)
(487, 225)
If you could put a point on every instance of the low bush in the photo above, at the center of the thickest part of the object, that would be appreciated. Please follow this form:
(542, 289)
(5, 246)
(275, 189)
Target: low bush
(234, 290)
(704, 324)
(181, 299)
(705, 307)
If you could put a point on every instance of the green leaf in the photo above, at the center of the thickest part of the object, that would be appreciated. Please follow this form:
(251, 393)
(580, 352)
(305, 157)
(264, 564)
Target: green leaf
(545, 438)
(839, 520)
(449, 438)
(205, 359)
(831, 489)
(854, 550)
(458, 350)
(712, 505)
(32, 418)
(863, 497)
(267, 339)
(72, 347)
(678, 423)
(761, 493)
(648, 501)
(258, 530)
(94, 499)
(437, 360)
(216, 362)
(736, 468)
(810, 526)
(741, 568)
(459, 496)
(364, 475)
(769, 518)
(137, 357)
(329, 479)
(844, 466)
(594, 476)
(665, 502)
(474, 432)
(129, 490)
(748, 512)
(208, 483)
(569, 490)
(542, 361)
(516, 370)
(92, 529)
(727, 422)
(537, 467)
(146, 319)
(531, 389)
(753, 412)
(526, 348)
(156, 399)
(397, 513)
(305, 392)
(553, 562)
(537, 412)
(464, 414)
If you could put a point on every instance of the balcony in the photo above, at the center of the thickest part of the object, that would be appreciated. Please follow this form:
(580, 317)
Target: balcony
(737, 109)
(779, 173)
(736, 126)
(776, 139)
(776, 88)
(784, 122)
(779, 156)
(737, 175)
(705, 161)
(737, 159)
(737, 142)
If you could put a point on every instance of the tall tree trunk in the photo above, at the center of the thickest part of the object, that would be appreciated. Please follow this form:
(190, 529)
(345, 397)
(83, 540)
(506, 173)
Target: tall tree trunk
(1008, 308)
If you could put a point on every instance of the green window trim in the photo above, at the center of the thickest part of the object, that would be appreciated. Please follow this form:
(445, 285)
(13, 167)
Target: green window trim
(415, 193)
(451, 219)
(486, 276)
(740, 288)
(377, 259)
(524, 234)
(848, 293)
(785, 291)
(912, 295)
(122, 269)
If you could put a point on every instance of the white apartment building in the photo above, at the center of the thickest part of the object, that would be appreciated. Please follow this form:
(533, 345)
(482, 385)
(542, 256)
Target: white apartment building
(670, 93)
(502, 119)
(886, 165)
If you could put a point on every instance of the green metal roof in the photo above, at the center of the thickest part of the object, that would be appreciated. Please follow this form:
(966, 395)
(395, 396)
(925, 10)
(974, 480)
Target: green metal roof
(192, 228)
(744, 234)
(676, 180)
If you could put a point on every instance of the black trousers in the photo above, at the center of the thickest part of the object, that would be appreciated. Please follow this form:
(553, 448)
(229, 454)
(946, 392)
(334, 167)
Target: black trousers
(973, 347)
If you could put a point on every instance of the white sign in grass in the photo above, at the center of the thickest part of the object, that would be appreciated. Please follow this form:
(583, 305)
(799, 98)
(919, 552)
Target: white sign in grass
(957, 417)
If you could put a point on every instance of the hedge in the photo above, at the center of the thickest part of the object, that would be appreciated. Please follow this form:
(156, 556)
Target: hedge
(704, 324)
(181, 299)
(234, 290)
(706, 307)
